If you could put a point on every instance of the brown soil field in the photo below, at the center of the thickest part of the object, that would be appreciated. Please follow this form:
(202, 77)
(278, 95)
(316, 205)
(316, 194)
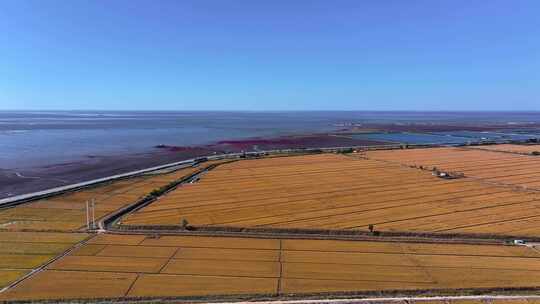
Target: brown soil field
(67, 212)
(21, 252)
(349, 192)
(207, 266)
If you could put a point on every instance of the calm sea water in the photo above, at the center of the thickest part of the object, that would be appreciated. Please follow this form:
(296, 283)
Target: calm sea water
(459, 137)
(29, 139)
(414, 138)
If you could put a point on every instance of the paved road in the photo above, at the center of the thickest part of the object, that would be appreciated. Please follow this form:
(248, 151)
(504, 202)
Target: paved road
(391, 299)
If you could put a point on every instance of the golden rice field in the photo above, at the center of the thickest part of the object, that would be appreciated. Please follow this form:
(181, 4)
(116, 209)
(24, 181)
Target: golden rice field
(331, 191)
(386, 189)
(21, 252)
(67, 212)
(525, 149)
(487, 166)
(112, 266)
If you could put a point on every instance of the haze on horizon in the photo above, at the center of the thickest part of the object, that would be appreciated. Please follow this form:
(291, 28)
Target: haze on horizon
(270, 55)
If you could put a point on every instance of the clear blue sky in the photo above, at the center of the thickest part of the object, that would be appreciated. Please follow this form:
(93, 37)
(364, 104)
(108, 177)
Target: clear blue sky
(270, 55)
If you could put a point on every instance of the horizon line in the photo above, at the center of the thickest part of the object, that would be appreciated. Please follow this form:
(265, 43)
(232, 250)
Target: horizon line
(266, 111)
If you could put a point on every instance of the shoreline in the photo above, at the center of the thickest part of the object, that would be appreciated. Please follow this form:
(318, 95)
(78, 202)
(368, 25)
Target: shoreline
(56, 175)
(24, 181)
(39, 178)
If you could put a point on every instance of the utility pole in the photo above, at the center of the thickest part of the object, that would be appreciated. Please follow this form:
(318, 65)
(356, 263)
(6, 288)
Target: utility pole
(93, 213)
(87, 216)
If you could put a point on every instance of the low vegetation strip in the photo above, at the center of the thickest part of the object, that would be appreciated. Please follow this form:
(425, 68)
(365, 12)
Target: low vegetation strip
(190, 266)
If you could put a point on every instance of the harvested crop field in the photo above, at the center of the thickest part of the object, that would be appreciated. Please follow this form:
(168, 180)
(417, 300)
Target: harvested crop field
(183, 266)
(67, 212)
(350, 192)
(21, 252)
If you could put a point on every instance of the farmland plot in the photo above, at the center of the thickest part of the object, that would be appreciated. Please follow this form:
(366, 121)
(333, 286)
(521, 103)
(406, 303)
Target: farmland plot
(21, 252)
(502, 168)
(178, 266)
(525, 149)
(67, 212)
(351, 193)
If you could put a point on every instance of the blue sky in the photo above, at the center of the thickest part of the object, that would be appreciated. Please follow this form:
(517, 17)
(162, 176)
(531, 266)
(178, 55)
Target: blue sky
(270, 55)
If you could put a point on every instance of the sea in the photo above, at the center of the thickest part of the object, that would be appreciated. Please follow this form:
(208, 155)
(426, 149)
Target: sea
(39, 138)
